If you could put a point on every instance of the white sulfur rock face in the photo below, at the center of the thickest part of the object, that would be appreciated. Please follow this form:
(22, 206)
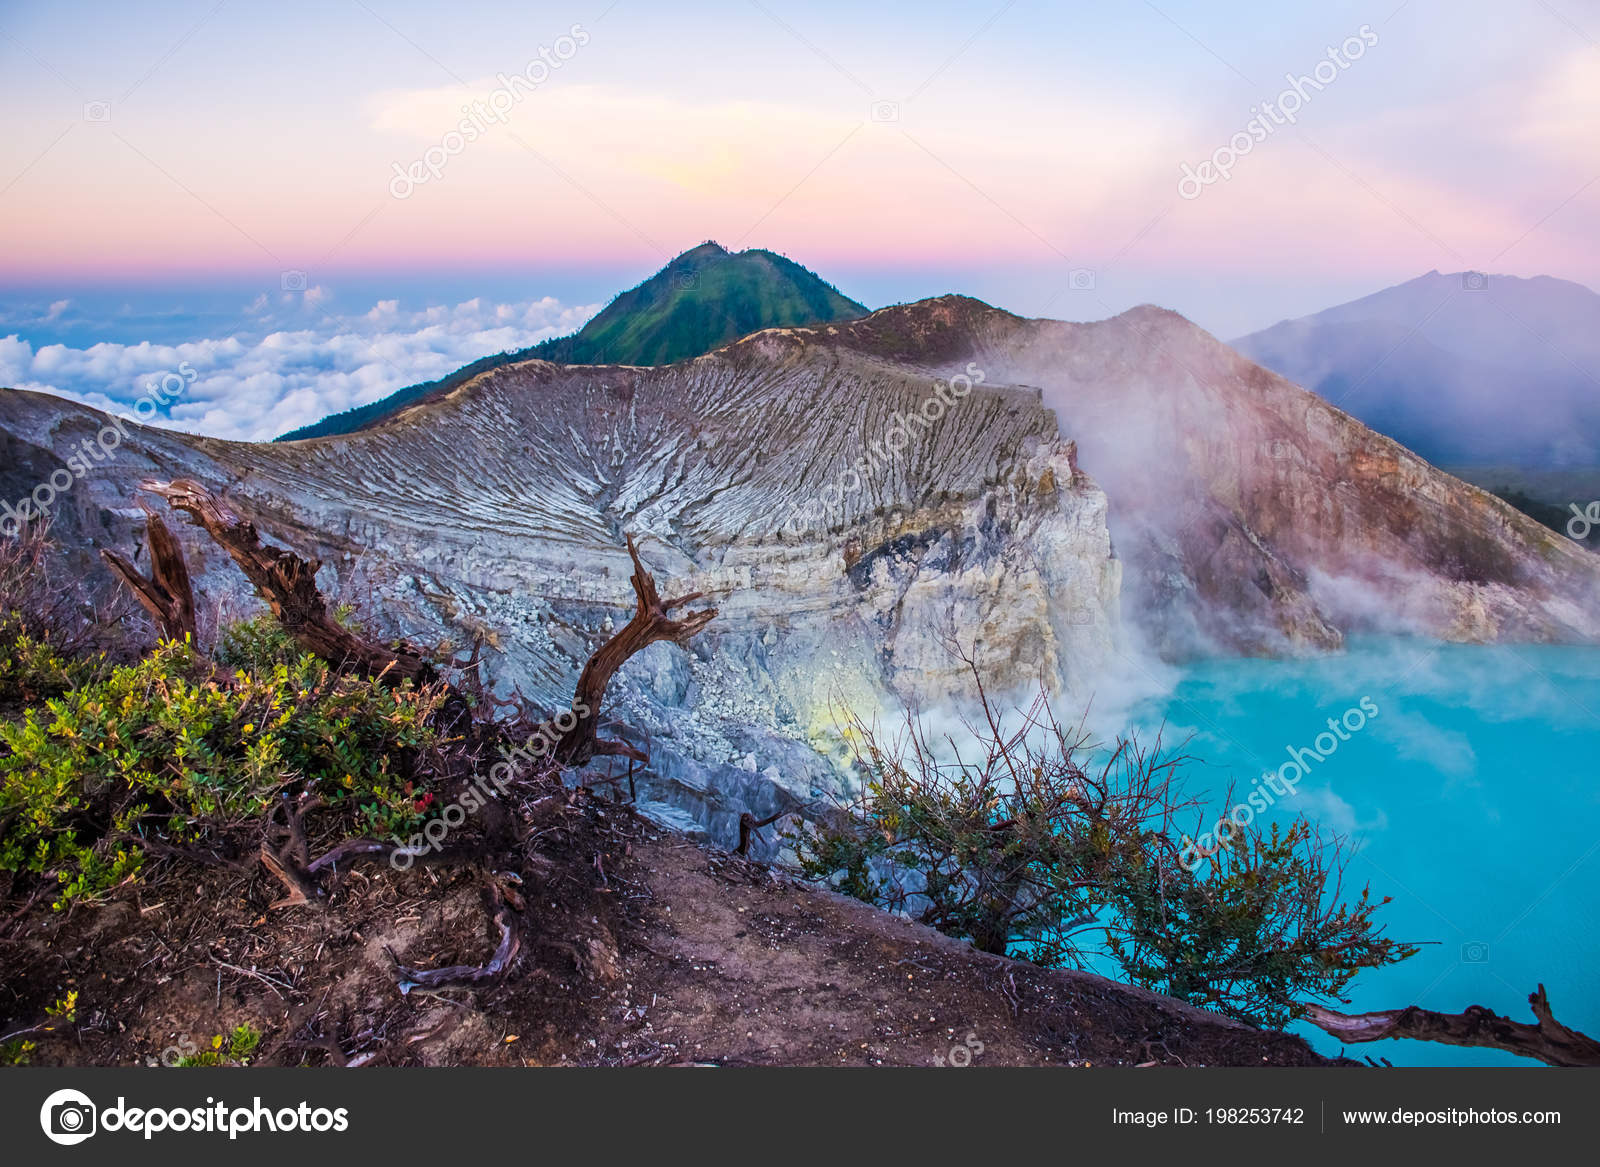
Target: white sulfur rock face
(497, 515)
(848, 511)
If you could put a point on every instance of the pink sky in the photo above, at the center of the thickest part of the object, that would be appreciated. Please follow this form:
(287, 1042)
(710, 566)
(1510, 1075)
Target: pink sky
(266, 142)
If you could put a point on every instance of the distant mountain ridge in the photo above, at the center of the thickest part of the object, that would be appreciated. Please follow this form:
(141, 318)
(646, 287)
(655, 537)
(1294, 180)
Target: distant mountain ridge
(700, 301)
(1462, 368)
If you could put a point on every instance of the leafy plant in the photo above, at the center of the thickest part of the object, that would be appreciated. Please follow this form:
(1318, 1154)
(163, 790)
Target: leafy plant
(234, 1049)
(258, 644)
(168, 753)
(1262, 929)
(1025, 840)
(34, 669)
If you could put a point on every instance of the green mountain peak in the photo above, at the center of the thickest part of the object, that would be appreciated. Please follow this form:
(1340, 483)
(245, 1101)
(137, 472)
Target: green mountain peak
(701, 300)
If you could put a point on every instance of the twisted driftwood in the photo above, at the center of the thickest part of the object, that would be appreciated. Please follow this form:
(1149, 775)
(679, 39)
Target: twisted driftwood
(650, 623)
(1549, 1041)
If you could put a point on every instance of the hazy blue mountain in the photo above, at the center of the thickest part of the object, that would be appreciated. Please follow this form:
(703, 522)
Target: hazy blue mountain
(1467, 371)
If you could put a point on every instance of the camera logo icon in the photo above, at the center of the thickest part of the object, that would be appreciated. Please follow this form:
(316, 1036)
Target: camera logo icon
(293, 281)
(886, 111)
(68, 1117)
(97, 111)
(1475, 952)
(685, 281)
(1081, 279)
(1474, 281)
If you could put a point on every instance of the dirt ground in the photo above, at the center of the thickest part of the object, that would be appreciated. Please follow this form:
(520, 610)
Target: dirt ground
(745, 967)
(637, 948)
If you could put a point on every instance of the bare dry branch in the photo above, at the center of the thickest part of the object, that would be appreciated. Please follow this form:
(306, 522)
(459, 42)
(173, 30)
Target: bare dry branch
(650, 623)
(1547, 1041)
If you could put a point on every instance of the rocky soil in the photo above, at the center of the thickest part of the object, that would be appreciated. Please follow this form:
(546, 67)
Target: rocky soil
(641, 948)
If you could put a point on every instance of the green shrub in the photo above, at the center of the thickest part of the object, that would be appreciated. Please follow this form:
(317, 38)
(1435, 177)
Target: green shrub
(1028, 842)
(167, 751)
(256, 644)
(1255, 934)
(259, 643)
(33, 669)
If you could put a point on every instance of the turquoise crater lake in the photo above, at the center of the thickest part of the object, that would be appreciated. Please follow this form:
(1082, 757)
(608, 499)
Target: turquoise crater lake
(1472, 797)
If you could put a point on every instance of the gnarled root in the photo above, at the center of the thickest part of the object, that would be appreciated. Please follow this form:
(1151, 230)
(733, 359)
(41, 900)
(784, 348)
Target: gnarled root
(504, 905)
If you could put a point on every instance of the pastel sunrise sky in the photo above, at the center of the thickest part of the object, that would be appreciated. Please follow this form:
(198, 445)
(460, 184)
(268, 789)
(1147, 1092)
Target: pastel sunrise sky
(205, 172)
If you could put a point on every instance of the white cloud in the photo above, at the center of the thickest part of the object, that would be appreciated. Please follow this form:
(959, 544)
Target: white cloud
(1328, 810)
(295, 371)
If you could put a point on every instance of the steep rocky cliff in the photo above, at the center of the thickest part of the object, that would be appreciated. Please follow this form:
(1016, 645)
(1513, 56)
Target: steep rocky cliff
(499, 512)
(1253, 516)
(850, 495)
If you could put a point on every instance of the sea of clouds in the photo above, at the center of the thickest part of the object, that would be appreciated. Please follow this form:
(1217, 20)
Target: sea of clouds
(290, 361)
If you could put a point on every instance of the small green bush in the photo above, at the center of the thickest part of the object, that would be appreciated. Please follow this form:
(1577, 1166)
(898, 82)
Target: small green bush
(257, 644)
(1028, 842)
(1256, 933)
(33, 669)
(168, 750)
